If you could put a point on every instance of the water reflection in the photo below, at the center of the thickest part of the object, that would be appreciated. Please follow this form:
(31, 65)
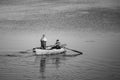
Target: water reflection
(50, 62)
(42, 67)
(57, 62)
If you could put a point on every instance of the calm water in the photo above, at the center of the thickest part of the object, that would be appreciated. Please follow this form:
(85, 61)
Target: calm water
(100, 61)
(90, 27)
(89, 66)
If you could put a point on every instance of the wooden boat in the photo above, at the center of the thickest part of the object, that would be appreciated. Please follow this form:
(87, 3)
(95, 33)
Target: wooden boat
(48, 51)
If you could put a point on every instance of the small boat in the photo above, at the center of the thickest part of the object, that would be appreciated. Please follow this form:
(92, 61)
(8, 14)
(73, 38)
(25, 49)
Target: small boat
(48, 51)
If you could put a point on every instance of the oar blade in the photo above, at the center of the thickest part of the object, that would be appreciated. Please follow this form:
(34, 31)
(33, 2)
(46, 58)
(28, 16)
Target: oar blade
(77, 51)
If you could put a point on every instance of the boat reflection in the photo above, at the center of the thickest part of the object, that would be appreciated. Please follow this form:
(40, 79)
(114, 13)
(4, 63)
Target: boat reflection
(42, 67)
(49, 62)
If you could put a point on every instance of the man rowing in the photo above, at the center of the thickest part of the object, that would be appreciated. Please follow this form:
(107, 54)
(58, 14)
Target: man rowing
(57, 45)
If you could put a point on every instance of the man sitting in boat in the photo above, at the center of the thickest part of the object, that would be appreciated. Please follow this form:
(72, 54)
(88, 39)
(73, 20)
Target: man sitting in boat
(43, 42)
(57, 45)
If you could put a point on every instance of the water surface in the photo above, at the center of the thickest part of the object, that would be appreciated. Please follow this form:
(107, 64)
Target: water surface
(91, 27)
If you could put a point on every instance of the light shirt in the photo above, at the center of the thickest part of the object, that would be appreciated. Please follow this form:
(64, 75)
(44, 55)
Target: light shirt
(43, 39)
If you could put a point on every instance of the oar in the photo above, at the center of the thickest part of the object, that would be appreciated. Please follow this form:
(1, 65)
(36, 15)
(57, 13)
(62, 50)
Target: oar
(74, 50)
(62, 45)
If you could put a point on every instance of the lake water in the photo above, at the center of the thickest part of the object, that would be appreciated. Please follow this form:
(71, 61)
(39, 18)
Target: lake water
(93, 31)
(100, 61)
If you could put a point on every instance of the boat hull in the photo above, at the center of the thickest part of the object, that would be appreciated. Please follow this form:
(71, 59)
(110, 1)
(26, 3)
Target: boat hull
(53, 51)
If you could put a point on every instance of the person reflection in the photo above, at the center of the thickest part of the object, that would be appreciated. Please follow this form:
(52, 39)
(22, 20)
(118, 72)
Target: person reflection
(42, 67)
(57, 62)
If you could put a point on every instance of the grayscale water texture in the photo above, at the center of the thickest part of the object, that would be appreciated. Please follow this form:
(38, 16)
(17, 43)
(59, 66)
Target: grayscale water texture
(89, 26)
